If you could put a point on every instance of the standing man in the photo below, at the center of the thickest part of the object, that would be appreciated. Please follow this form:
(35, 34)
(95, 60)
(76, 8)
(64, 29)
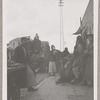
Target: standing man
(52, 61)
(21, 56)
(65, 52)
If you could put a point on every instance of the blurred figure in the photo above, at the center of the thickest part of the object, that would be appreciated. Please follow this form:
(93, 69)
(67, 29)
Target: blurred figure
(66, 74)
(20, 54)
(52, 61)
(59, 61)
(78, 62)
(65, 52)
(35, 62)
(88, 78)
(35, 58)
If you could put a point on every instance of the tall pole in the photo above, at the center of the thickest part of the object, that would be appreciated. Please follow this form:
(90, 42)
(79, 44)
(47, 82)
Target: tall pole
(61, 25)
(60, 5)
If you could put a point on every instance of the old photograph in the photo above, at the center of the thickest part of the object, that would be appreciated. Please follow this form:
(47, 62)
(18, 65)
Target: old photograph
(50, 49)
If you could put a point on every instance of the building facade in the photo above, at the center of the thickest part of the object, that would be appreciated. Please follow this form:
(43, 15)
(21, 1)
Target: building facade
(15, 42)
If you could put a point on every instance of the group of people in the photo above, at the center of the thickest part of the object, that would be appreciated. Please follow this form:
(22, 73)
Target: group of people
(76, 67)
(56, 59)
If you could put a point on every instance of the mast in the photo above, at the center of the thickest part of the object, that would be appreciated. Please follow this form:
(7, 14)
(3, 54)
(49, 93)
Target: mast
(61, 4)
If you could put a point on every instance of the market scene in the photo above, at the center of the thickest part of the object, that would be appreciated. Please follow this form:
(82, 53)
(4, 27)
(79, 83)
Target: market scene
(38, 70)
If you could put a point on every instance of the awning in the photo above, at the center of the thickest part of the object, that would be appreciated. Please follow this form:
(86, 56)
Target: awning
(79, 31)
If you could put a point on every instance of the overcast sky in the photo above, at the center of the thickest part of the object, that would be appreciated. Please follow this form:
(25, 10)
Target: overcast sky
(27, 17)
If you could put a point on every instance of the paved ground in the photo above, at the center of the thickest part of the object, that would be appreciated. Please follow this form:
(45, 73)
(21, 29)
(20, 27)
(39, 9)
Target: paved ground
(48, 90)
(41, 76)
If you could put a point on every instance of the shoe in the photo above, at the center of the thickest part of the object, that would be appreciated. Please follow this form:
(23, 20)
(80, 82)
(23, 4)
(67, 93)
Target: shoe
(61, 81)
(30, 89)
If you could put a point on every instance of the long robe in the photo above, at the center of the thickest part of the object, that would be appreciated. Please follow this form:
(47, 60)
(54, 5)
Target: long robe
(52, 62)
(31, 79)
(78, 63)
(21, 56)
(89, 65)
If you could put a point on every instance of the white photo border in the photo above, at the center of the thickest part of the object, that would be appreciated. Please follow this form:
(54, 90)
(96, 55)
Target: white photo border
(4, 50)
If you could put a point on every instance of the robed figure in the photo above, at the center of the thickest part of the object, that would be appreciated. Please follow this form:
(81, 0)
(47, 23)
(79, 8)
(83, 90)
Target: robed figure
(21, 56)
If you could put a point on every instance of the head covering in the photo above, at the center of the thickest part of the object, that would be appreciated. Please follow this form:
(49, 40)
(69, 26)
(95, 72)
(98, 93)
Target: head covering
(36, 36)
(52, 46)
(66, 48)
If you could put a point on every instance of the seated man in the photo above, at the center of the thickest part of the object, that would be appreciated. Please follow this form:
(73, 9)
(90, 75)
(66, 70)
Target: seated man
(66, 74)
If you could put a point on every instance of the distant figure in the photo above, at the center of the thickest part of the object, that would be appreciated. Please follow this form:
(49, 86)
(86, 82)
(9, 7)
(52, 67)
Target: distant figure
(65, 52)
(52, 61)
(21, 56)
(59, 61)
(36, 45)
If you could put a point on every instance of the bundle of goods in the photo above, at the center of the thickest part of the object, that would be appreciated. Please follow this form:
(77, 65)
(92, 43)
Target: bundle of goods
(12, 64)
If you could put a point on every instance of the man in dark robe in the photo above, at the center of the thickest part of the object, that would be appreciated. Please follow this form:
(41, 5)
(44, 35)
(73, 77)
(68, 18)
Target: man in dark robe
(65, 52)
(21, 56)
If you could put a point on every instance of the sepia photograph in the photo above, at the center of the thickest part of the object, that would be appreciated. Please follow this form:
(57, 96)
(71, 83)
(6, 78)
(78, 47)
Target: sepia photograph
(50, 50)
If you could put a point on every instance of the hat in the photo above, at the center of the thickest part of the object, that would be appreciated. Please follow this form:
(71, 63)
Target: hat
(52, 46)
(66, 48)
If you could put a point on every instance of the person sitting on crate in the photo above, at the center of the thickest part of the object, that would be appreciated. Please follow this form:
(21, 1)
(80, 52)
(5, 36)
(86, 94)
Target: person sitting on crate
(21, 56)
